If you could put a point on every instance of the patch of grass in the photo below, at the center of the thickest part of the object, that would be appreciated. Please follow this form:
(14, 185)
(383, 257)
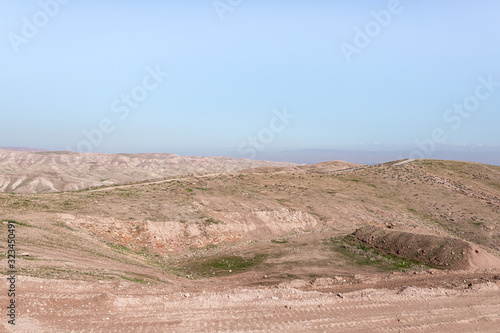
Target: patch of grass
(63, 225)
(18, 223)
(133, 279)
(21, 203)
(212, 221)
(278, 241)
(67, 203)
(412, 210)
(477, 224)
(445, 227)
(119, 247)
(49, 272)
(495, 185)
(288, 276)
(364, 256)
(223, 265)
(125, 192)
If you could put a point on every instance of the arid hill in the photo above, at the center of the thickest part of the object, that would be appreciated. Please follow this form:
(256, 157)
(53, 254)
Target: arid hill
(42, 172)
(265, 249)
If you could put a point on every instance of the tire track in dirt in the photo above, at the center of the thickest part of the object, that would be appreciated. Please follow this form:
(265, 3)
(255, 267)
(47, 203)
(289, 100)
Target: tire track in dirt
(421, 310)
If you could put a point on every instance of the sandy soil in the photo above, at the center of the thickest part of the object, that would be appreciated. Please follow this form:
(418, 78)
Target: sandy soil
(63, 306)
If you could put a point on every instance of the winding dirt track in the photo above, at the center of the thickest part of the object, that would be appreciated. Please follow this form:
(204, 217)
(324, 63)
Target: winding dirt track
(63, 306)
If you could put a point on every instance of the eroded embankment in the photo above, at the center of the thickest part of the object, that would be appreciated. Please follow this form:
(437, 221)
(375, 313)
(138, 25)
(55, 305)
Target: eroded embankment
(436, 251)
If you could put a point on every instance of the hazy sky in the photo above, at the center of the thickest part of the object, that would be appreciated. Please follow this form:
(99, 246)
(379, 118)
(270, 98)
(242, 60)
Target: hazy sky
(247, 75)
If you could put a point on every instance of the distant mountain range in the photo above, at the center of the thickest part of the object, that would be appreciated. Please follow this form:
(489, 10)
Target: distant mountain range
(31, 150)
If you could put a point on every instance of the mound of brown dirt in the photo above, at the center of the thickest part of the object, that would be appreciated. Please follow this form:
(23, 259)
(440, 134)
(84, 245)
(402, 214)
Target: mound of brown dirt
(440, 252)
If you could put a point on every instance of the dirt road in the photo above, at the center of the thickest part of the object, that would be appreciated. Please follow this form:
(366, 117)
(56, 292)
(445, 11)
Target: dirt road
(64, 306)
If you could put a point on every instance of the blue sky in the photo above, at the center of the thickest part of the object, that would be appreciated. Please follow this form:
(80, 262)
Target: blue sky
(230, 72)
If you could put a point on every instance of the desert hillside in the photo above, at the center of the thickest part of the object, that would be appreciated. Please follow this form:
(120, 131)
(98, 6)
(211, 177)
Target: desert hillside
(42, 172)
(334, 246)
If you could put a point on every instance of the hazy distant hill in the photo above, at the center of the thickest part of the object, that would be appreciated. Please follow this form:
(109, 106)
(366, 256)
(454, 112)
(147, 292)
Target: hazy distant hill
(32, 150)
(39, 172)
(310, 156)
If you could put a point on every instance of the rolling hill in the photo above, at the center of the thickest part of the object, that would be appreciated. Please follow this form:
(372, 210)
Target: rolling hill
(290, 245)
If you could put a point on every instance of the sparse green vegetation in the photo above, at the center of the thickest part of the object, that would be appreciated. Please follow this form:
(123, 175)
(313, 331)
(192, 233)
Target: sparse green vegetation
(133, 279)
(288, 276)
(212, 221)
(222, 265)
(63, 225)
(120, 248)
(365, 256)
(20, 223)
